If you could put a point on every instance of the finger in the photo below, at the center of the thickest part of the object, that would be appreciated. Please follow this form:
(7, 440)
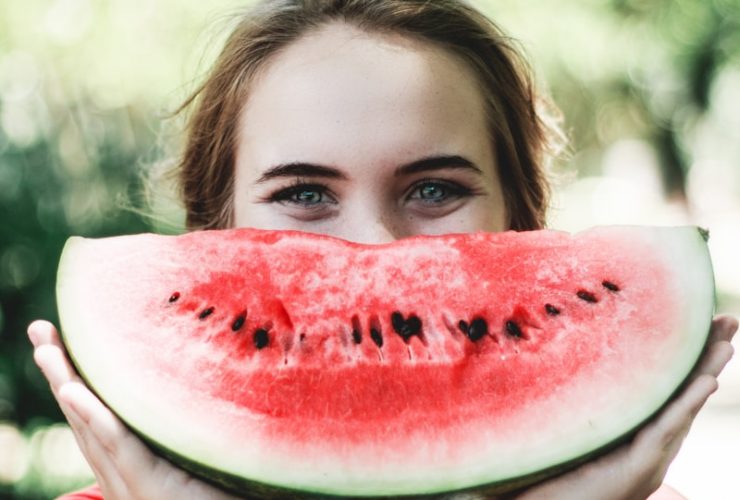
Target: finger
(129, 467)
(42, 332)
(106, 473)
(50, 356)
(96, 416)
(639, 466)
(715, 359)
(583, 482)
(718, 350)
(660, 440)
(130, 457)
(81, 436)
(724, 328)
(55, 366)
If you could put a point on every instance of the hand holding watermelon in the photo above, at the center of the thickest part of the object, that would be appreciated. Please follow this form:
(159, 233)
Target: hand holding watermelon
(123, 466)
(637, 468)
(126, 469)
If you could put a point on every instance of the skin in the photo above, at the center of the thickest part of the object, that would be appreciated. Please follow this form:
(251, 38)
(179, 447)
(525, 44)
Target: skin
(380, 108)
(377, 108)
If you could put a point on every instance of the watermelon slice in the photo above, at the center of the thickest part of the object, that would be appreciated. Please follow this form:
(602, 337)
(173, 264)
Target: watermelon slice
(277, 361)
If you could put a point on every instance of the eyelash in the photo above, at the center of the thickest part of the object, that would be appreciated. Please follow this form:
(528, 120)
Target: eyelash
(297, 187)
(454, 190)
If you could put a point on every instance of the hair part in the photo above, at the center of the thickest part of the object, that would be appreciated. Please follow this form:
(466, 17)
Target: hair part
(523, 137)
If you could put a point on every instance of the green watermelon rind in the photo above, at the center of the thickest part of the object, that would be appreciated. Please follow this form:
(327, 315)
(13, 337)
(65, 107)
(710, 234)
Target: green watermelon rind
(255, 489)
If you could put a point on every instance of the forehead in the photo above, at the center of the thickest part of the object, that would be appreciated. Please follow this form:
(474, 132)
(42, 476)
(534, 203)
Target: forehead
(342, 95)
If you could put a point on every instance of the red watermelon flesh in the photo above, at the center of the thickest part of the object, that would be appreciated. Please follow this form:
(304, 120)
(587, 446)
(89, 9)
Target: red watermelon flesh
(426, 365)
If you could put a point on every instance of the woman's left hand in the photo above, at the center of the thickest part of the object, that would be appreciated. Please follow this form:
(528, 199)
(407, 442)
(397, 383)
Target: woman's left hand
(635, 470)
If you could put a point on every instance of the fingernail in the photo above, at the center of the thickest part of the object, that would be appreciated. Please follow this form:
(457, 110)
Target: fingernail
(33, 337)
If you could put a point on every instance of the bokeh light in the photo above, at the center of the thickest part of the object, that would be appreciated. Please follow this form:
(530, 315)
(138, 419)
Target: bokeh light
(14, 460)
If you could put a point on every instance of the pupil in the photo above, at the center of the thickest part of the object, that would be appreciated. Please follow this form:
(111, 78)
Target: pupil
(309, 197)
(431, 192)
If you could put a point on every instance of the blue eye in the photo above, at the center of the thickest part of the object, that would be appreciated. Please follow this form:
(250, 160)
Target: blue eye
(308, 196)
(432, 192)
(438, 192)
(303, 195)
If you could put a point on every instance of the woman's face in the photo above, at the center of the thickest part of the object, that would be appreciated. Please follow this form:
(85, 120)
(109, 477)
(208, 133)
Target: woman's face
(366, 137)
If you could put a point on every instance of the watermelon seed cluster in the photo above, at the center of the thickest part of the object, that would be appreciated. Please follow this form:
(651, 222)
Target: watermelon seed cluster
(261, 337)
(408, 326)
(586, 296)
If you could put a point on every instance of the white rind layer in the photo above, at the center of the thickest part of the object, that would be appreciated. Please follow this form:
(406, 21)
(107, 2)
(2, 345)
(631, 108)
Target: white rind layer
(484, 458)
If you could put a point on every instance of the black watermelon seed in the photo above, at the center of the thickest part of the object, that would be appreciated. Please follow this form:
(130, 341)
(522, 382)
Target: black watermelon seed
(174, 296)
(356, 336)
(552, 310)
(478, 329)
(610, 286)
(376, 336)
(406, 328)
(398, 322)
(513, 329)
(413, 324)
(205, 313)
(261, 338)
(463, 326)
(587, 296)
(238, 322)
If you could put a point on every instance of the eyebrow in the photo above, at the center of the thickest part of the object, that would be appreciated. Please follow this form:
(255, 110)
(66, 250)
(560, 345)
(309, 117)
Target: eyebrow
(437, 163)
(302, 169)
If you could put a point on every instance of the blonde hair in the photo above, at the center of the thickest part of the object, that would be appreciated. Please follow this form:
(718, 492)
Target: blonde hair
(522, 137)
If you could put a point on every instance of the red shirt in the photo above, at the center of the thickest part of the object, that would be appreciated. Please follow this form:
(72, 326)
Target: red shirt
(91, 493)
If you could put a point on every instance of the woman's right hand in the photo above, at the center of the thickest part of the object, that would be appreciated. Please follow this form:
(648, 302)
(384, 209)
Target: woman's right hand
(123, 466)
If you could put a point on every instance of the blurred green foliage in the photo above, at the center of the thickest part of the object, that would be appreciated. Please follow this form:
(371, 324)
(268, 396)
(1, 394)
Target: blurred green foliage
(82, 83)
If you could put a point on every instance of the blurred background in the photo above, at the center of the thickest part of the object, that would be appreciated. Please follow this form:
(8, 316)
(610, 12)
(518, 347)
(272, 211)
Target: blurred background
(650, 91)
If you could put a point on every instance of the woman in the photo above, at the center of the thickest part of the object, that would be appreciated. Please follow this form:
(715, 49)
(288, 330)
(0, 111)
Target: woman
(369, 120)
